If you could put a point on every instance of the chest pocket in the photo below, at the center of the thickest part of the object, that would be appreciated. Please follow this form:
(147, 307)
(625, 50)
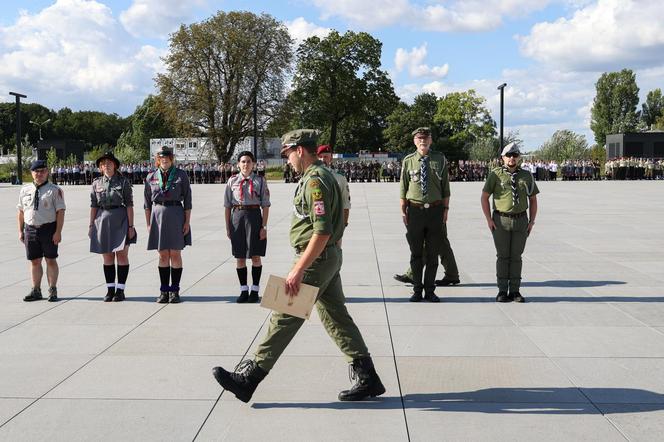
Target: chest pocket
(414, 175)
(26, 201)
(527, 185)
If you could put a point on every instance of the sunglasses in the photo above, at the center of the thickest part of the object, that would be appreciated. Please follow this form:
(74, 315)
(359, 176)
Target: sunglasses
(512, 155)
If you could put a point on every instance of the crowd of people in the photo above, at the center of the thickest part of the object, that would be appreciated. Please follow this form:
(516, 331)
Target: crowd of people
(634, 169)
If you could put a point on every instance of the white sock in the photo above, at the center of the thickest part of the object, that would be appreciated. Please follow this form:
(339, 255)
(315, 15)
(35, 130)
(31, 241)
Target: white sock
(110, 285)
(120, 286)
(254, 288)
(244, 288)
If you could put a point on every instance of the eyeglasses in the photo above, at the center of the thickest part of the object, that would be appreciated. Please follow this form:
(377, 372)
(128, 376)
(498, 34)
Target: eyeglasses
(512, 155)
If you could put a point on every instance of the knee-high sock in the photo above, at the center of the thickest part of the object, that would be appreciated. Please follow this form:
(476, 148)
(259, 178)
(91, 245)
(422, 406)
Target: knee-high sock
(123, 271)
(256, 277)
(109, 274)
(176, 274)
(164, 277)
(242, 276)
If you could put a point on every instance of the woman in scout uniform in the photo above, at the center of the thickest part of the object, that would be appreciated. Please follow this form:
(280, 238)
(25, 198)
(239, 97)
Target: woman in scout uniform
(247, 207)
(111, 227)
(167, 214)
(514, 192)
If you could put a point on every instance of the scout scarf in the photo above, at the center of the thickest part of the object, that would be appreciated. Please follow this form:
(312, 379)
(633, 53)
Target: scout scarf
(241, 187)
(170, 173)
(424, 175)
(515, 189)
(107, 189)
(35, 204)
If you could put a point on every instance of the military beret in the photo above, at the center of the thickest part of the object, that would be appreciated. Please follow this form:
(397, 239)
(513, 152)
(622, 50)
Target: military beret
(510, 148)
(325, 148)
(37, 164)
(165, 152)
(422, 130)
(301, 137)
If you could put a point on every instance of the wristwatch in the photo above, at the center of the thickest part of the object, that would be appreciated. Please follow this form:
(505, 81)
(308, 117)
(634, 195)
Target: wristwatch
(264, 227)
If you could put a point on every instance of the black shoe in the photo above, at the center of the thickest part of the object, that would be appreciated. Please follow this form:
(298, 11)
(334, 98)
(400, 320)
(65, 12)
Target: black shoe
(403, 278)
(447, 281)
(109, 294)
(253, 297)
(243, 382)
(416, 297)
(516, 297)
(163, 298)
(503, 297)
(431, 297)
(52, 294)
(244, 297)
(175, 297)
(34, 295)
(119, 295)
(368, 383)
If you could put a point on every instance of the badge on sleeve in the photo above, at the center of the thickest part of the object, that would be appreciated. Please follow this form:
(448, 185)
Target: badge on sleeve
(316, 194)
(319, 208)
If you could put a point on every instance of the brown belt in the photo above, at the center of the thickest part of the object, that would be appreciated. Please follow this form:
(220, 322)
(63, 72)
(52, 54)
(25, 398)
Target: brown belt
(511, 215)
(425, 205)
(251, 206)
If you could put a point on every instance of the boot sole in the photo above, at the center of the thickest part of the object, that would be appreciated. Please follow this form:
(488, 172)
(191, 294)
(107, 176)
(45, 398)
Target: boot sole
(374, 393)
(227, 383)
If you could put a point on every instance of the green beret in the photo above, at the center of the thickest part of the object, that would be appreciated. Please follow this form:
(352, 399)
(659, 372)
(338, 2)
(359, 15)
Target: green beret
(422, 130)
(300, 137)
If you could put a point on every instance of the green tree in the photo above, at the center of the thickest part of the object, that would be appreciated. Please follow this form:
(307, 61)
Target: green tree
(462, 118)
(564, 145)
(149, 120)
(338, 81)
(653, 108)
(404, 119)
(614, 107)
(659, 123)
(215, 70)
(484, 149)
(51, 158)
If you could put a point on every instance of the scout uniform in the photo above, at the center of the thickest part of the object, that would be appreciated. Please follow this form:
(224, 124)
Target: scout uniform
(245, 197)
(424, 184)
(511, 192)
(317, 208)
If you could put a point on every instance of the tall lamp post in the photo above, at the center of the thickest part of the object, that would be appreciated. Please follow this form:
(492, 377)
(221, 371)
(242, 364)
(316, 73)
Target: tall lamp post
(19, 166)
(502, 101)
(38, 124)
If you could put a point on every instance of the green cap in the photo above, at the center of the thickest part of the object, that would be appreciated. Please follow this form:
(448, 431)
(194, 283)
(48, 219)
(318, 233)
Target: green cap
(422, 130)
(299, 137)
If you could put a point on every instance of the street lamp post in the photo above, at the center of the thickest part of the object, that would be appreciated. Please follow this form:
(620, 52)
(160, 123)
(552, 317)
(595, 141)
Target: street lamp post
(502, 101)
(19, 171)
(38, 124)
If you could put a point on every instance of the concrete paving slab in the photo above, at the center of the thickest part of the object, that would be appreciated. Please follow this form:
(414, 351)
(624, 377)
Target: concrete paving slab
(636, 421)
(569, 314)
(11, 407)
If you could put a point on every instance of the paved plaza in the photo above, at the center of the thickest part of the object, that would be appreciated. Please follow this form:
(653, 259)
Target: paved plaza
(583, 359)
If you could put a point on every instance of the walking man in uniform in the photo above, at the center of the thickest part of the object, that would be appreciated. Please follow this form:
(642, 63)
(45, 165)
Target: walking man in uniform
(41, 215)
(317, 226)
(425, 196)
(514, 192)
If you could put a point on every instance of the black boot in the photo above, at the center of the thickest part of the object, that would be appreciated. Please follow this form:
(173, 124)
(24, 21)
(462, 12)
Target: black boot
(163, 298)
(110, 293)
(368, 383)
(503, 297)
(119, 295)
(34, 295)
(516, 297)
(416, 297)
(244, 297)
(175, 295)
(243, 382)
(253, 297)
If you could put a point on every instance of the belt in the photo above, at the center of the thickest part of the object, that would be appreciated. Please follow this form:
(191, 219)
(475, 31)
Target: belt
(300, 249)
(32, 226)
(425, 205)
(511, 215)
(168, 203)
(110, 207)
(246, 207)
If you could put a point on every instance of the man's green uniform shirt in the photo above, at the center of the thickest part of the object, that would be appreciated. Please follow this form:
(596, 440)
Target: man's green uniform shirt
(499, 184)
(438, 185)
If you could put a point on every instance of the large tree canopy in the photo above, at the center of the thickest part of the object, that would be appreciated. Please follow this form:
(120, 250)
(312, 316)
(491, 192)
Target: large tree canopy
(614, 108)
(653, 108)
(218, 67)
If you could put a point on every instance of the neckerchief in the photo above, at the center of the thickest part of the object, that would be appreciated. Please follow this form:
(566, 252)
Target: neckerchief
(35, 203)
(170, 173)
(241, 187)
(107, 189)
(515, 190)
(424, 175)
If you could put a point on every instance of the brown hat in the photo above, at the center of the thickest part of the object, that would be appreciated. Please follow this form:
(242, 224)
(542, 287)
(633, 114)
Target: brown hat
(422, 130)
(301, 137)
(165, 152)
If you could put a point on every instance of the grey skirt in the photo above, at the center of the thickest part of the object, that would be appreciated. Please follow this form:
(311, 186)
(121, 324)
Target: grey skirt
(109, 231)
(245, 233)
(166, 223)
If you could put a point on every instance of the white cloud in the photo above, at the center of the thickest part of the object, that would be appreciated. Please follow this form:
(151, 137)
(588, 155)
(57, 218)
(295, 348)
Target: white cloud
(606, 35)
(413, 60)
(300, 30)
(444, 16)
(157, 18)
(74, 53)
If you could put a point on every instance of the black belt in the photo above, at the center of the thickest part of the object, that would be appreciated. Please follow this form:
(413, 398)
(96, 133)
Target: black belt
(168, 203)
(424, 205)
(110, 207)
(39, 226)
(246, 207)
(511, 215)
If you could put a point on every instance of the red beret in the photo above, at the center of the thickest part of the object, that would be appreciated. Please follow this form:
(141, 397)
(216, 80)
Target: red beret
(325, 148)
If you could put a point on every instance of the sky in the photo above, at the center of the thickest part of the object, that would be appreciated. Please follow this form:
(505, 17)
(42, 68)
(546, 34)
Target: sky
(104, 54)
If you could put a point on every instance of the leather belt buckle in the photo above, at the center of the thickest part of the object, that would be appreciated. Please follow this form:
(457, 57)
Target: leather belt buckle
(427, 205)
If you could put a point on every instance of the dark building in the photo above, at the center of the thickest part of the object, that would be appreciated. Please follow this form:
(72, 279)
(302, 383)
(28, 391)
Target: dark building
(638, 145)
(63, 148)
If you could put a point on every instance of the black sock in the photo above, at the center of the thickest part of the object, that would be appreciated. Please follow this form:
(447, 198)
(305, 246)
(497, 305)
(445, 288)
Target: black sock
(176, 274)
(164, 276)
(256, 275)
(242, 275)
(109, 274)
(123, 271)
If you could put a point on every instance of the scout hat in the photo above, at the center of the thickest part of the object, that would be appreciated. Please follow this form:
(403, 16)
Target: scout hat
(325, 148)
(510, 148)
(422, 130)
(165, 152)
(301, 137)
(37, 164)
(108, 156)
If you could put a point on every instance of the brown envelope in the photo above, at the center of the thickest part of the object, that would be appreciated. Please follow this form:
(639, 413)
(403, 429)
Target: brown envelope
(275, 298)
